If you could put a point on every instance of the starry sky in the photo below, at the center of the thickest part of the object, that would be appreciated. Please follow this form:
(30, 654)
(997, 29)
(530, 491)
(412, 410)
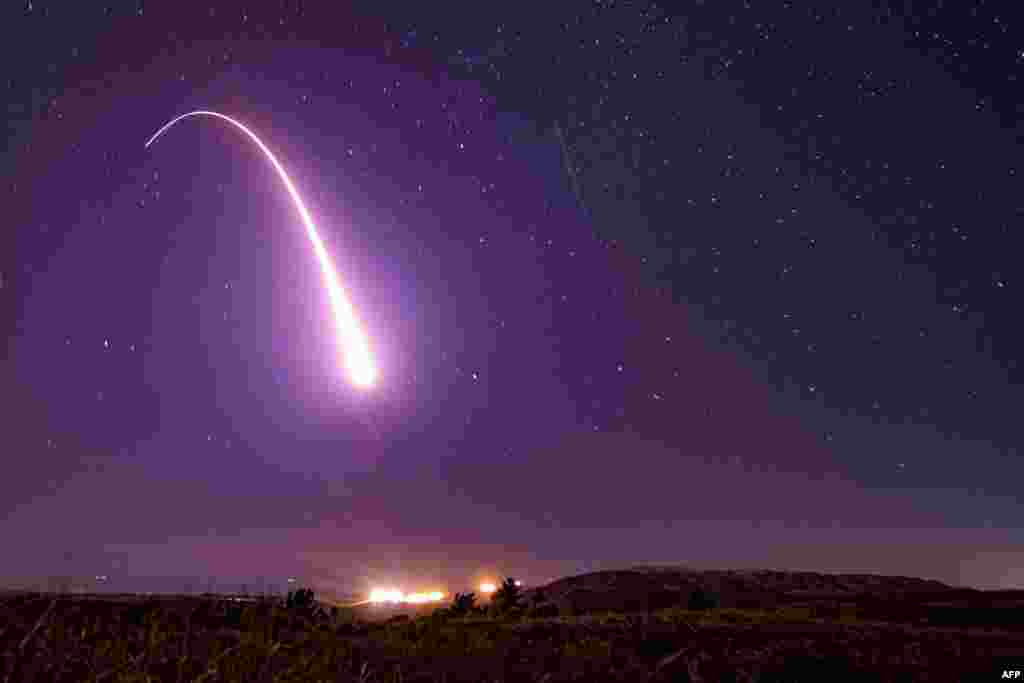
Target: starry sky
(730, 284)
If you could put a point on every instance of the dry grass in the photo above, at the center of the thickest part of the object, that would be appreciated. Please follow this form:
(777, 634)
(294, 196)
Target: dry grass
(193, 639)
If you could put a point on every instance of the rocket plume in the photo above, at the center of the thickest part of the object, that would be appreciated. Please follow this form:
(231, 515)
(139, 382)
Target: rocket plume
(354, 344)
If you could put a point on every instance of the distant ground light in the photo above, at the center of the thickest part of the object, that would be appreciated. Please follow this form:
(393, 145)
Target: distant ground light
(395, 596)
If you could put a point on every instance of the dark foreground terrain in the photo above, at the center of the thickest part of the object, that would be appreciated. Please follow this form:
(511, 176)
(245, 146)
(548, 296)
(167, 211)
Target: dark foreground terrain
(634, 625)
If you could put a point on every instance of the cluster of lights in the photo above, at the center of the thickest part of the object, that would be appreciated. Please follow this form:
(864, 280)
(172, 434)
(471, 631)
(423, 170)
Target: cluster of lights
(488, 588)
(393, 596)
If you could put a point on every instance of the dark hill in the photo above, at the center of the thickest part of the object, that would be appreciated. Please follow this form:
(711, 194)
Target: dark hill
(641, 589)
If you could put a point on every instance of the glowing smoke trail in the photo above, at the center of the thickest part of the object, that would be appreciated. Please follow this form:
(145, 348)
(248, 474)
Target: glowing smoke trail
(356, 348)
(571, 170)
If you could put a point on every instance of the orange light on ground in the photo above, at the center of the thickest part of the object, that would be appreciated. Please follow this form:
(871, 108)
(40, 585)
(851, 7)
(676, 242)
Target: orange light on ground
(420, 598)
(394, 596)
(384, 595)
(487, 588)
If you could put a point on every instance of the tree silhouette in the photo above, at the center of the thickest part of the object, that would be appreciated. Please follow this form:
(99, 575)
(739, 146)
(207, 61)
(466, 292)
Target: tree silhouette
(507, 596)
(302, 599)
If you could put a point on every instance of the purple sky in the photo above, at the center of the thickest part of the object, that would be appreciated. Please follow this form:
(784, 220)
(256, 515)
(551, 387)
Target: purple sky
(572, 378)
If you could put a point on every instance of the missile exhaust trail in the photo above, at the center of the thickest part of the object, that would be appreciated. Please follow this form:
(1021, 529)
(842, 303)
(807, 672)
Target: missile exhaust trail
(571, 169)
(354, 344)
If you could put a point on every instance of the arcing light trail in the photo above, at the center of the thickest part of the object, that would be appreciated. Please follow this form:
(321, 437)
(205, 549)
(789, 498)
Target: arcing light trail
(355, 346)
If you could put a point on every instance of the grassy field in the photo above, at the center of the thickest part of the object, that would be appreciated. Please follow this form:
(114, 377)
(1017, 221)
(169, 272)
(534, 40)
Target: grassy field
(76, 638)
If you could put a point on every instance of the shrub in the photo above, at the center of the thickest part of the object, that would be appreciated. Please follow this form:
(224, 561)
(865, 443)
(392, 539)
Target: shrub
(440, 614)
(543, 611)
(701, 600)
(463, 604)
(233, 616)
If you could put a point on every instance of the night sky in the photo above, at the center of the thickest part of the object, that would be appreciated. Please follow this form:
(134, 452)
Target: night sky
(733, 285)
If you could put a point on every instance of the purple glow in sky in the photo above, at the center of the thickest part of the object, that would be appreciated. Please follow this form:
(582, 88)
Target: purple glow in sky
(693, 284)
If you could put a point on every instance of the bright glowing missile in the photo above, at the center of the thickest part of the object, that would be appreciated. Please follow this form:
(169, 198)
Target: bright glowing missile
(355, 346)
